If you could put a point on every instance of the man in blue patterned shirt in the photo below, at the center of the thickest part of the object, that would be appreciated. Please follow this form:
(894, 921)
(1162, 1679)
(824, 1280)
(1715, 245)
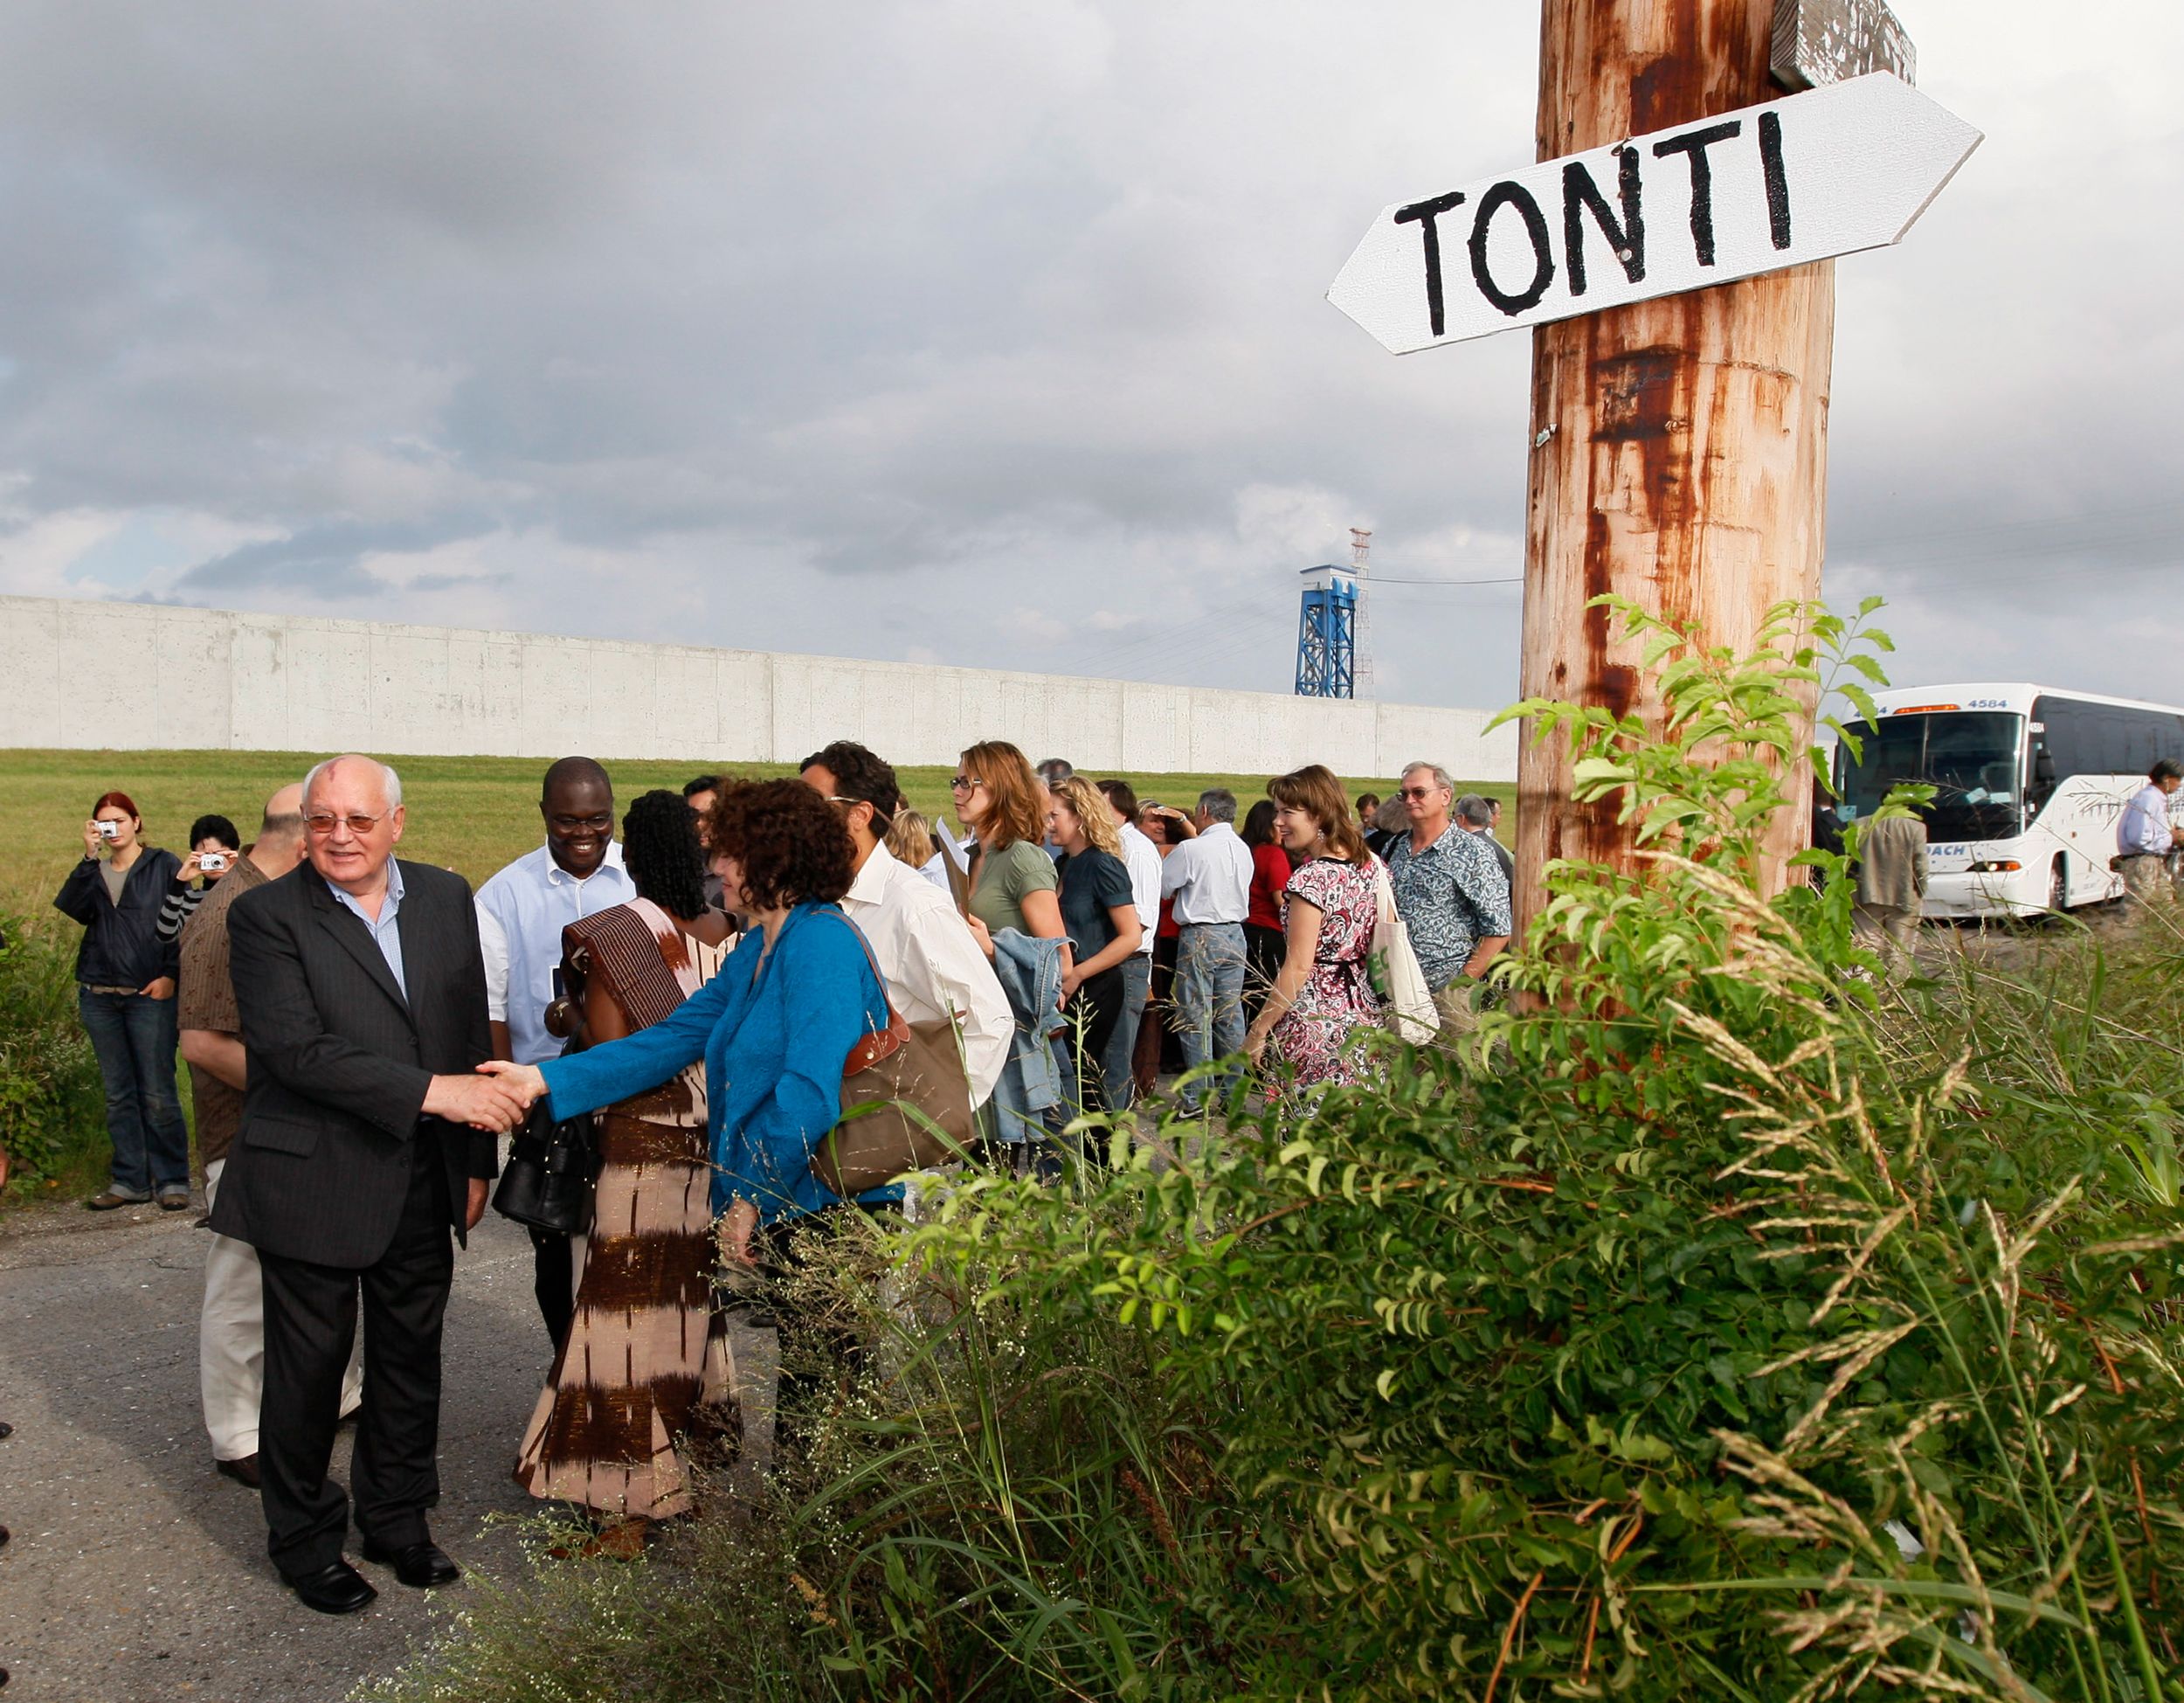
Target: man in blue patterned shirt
(1450, 892)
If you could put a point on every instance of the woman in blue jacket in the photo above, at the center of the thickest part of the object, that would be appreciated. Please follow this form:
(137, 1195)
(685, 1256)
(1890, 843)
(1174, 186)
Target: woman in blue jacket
(774, 1028)
(125, 990)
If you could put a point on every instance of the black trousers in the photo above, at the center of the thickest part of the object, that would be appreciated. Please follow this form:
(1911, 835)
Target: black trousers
(1264, 949)
(1091, 1017)
(310, 1325)
(820, 1353)
(554, 1281)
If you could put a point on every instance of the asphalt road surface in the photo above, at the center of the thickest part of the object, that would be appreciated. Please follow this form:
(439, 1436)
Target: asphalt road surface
(138, 1573)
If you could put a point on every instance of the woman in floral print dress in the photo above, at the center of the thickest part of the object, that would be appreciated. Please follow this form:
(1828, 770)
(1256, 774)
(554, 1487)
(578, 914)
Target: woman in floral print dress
(1323, 994)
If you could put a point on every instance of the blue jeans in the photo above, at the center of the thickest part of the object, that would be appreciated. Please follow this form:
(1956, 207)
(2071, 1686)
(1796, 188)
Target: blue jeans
(135, 1038)
(1115, 1063)
(1209, 993)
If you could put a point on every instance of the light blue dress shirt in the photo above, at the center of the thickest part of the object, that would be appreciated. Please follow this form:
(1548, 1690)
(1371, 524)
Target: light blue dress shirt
(2145, 826)
(384, 934)
(522, 911)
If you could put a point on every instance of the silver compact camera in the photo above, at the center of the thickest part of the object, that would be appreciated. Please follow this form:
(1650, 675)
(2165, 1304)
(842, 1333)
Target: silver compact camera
(212, 862)
(109, 830)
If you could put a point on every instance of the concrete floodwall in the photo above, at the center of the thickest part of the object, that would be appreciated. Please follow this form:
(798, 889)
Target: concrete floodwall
(125, 676)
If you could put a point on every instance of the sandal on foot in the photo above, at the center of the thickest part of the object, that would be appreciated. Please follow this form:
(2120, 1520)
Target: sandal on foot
(624, 1540)
(616, 1540)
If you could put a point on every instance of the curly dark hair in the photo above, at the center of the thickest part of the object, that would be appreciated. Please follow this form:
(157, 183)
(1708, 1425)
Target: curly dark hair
(859, 774)
(790, 843)
(660, 849)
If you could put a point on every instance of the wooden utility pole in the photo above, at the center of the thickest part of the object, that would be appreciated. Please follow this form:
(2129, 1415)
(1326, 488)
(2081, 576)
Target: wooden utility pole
(1679, 446)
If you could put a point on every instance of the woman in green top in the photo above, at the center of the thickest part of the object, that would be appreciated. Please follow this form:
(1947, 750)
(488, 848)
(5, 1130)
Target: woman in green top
(1012, 880)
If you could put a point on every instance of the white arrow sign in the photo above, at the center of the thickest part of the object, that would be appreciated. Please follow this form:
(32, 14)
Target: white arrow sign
(1820, 174)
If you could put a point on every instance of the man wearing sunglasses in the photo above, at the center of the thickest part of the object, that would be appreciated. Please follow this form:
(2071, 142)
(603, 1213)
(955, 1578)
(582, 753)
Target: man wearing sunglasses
(366, 1135)
(1450, 892)
(522, 911)
(927, 955)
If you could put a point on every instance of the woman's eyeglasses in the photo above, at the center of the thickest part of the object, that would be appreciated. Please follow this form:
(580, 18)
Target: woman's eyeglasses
(964, 783)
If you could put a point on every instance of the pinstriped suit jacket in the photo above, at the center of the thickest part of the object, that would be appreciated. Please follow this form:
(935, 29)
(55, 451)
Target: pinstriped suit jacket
(339, 1062)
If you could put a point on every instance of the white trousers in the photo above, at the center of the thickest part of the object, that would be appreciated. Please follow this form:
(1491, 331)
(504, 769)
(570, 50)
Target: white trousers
(231, 1342)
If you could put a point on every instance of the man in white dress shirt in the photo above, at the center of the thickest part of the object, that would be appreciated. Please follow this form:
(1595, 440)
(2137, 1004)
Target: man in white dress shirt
(932, 963)
(1209, 877)
(1142, 858)
(2145, 837)
(522, 912)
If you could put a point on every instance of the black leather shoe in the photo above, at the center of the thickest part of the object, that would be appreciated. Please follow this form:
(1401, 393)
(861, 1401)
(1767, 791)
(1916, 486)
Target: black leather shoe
(243, 1472)
(336, 1588)
(419, 1566)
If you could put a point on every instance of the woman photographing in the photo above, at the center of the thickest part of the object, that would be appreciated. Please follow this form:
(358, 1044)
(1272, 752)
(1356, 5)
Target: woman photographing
(125, 983)
(772, 1030)
(1322, 994)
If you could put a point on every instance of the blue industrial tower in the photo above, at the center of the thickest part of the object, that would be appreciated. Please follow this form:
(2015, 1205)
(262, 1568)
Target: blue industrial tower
(1327, 635)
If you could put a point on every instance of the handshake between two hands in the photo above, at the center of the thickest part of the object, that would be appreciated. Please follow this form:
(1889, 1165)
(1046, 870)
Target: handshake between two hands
(498, 1098)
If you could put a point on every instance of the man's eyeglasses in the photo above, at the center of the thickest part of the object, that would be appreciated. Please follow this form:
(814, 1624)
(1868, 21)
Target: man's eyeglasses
(1416, 792)
(323, 826)
(964, 783)
(576, 824)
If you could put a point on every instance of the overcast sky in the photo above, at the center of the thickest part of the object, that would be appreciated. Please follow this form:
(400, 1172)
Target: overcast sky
(986, 331)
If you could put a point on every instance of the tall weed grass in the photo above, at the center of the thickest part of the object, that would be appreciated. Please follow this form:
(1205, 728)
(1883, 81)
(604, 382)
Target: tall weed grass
(1722, 1322)
(53, 1103)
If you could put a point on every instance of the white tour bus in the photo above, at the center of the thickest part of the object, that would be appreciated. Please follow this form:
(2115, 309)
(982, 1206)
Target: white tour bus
(2028, 781)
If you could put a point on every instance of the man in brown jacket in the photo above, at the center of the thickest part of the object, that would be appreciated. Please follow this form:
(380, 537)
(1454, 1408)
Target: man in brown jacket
(231, 1327)
(1891, 885)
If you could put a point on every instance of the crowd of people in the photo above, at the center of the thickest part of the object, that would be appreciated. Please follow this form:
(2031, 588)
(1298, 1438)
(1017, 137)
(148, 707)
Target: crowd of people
(362, 1031)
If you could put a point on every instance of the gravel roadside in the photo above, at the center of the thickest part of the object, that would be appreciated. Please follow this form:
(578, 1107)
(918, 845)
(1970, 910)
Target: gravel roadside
(138, 1573)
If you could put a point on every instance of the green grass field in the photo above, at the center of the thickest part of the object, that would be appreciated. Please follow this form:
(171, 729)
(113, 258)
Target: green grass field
(470, 813)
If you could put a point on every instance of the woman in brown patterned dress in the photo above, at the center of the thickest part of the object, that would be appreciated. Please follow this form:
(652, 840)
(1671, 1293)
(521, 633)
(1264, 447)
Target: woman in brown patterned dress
(639, 1356)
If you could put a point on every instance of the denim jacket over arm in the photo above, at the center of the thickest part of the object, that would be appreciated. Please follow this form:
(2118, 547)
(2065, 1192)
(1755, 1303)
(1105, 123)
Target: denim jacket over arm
(1030, 969)
(774, 1035)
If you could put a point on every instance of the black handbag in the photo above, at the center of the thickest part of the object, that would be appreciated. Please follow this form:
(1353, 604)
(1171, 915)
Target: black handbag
(553, 1162)
(547, 1182)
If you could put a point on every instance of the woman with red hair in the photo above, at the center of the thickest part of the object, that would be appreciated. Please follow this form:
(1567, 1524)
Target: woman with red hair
(125, 990)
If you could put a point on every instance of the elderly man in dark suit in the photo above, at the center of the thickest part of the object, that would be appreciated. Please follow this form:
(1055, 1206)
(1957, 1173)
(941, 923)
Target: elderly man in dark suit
(366, 1136)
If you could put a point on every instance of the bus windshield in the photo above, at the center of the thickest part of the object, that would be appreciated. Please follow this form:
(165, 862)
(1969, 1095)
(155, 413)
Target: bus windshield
(1973, 759)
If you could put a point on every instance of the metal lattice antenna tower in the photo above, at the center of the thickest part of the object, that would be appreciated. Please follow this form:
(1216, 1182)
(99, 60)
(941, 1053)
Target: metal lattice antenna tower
(1327, 635)
(1360, 545)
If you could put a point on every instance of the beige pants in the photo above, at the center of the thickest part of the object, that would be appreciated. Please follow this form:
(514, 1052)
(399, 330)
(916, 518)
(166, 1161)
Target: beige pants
(1893, 930)
(231, 1342)
(1457, 1003)
(2147, 881)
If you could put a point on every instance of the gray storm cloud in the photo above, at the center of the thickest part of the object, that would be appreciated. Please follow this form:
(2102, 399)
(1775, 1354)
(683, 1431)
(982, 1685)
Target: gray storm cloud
(991, 333)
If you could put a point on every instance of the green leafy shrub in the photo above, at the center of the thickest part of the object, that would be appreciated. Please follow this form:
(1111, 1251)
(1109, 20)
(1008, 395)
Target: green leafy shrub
(1720, 1323)
(52, 1101)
